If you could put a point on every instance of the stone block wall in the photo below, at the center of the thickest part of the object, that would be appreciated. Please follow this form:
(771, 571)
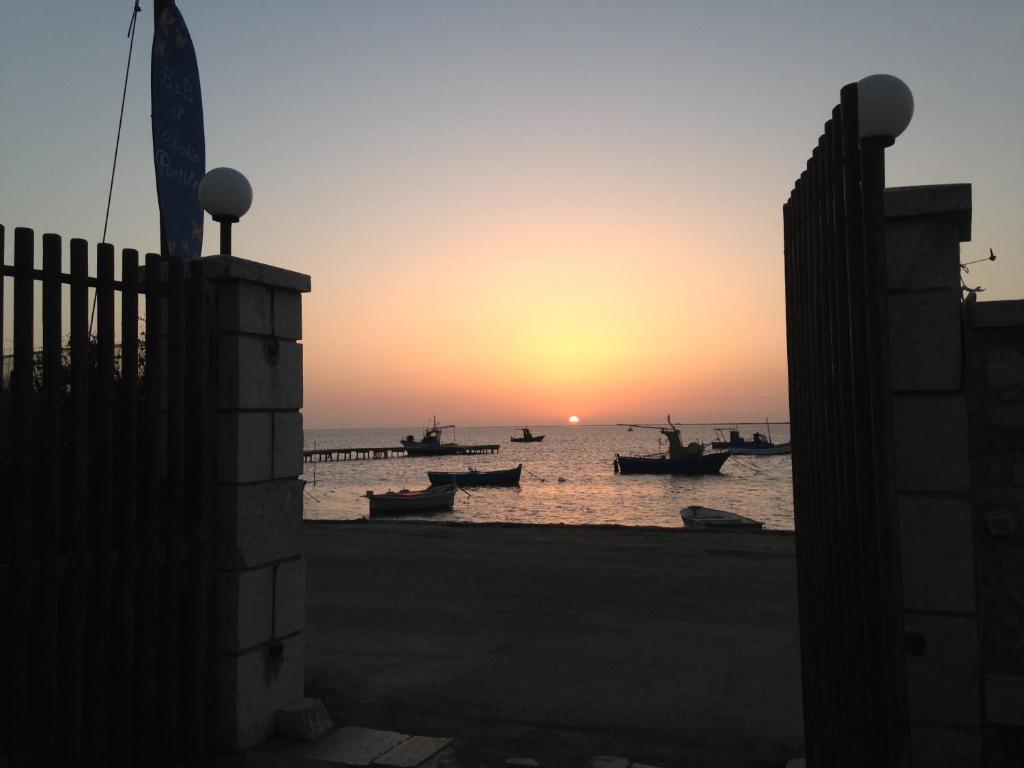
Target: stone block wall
(995, 374)
(924, 229)
(259, 585)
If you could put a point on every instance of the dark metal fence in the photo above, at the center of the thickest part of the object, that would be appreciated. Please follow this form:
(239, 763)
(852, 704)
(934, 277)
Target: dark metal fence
(851, 627)
(104, 509)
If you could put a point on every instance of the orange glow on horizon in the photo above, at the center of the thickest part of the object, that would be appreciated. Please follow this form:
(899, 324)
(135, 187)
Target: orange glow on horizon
(670, 308)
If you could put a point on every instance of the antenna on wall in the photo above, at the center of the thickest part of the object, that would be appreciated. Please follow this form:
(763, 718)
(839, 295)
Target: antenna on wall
(965, 271)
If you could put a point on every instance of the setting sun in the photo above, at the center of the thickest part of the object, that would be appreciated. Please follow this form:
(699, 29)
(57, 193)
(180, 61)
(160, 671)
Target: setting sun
(574, 419)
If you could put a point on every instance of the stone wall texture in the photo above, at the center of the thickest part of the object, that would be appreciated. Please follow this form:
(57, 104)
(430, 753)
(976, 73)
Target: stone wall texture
(924, 228)
(958, 418)
(259, 583)
(995, 373)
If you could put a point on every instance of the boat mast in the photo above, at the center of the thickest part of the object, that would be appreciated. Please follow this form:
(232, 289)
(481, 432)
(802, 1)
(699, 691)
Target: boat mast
(672, 435)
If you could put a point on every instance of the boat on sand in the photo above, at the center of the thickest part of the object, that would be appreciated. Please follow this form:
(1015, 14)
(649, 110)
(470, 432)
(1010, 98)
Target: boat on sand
(474, 478)
(717, 519)
(434, 497)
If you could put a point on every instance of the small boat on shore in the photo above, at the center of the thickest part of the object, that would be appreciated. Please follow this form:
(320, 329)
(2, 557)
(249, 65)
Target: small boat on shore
(758, 446)
(707, 518)
(690, 459)
(434, 497)
(527, 437)
(475, 478)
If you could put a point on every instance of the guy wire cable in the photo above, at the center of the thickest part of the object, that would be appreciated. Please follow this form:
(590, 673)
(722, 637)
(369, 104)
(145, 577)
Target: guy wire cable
(117, 144)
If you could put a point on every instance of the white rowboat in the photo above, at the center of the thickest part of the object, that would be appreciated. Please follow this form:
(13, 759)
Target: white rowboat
(717, 519)
(435, 497)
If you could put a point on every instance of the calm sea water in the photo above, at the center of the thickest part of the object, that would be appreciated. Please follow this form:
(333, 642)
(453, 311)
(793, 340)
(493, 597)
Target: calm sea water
(568, 478)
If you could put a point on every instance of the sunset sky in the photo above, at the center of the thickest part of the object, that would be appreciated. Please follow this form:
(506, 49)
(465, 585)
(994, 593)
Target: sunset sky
(514, 212)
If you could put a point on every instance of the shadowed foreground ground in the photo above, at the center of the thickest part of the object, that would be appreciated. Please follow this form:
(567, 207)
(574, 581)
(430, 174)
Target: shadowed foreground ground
(666, 646)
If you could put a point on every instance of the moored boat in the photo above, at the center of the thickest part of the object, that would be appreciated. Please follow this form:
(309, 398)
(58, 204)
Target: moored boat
(781, 449)
(758, 446)
(527, 437)
(664, 464)
(717, 519)
(434, 497)
(475, 478)
(430, 444)
(690, 459)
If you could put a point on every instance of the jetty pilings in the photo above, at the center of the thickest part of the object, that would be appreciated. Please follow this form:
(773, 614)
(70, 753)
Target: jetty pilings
(386, 452)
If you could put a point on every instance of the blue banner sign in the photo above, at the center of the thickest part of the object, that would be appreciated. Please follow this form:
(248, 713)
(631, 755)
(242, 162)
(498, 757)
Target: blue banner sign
(179, 143)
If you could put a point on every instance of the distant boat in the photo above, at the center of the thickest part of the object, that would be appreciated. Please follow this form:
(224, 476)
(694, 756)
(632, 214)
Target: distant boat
(679, 460)
(717, 519)
(758, 446)
(476, 478)
(527, 437)
(430, 444)
(435, 497)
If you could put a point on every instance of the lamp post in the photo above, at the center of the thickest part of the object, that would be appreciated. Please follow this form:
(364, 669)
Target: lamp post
(226, 195)
(885, 106)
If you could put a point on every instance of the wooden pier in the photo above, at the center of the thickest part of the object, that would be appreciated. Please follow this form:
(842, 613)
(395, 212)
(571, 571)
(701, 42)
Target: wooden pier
(389, 452)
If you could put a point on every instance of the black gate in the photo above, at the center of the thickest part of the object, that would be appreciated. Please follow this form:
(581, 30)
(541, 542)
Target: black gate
(105, 509)
(851, 625)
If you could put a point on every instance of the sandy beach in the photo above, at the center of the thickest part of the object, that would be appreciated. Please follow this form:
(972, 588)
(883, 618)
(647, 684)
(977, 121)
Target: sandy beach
(668, 646)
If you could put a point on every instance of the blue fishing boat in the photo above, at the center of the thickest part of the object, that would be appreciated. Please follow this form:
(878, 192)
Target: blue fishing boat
(476, 478)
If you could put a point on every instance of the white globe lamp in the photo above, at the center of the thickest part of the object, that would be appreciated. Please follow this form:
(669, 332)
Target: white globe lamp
(885, 107)
(226, 195)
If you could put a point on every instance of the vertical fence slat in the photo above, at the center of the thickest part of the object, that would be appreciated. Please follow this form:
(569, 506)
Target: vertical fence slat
(48, 520)
(173, 511)
(3, 349)
(846, 439)
(79, 588)
(801, 430)
(103, 475)
(810, 520)
(873, 739)
(805, 517)
(791, 224)
(21, 459)
(815, 378)
(889, 616)
(845, 625)
(149, 646)
(123, 698)
(5, 516)
(840, 518)
(3, 280)
(197, 502)
(5, 415)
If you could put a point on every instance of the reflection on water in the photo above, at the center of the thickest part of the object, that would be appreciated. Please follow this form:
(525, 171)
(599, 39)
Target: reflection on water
(757, 486)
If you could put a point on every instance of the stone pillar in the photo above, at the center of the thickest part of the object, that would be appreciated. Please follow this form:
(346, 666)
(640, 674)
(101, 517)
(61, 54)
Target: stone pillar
(259, 585)
(995, 400)
(924, 229)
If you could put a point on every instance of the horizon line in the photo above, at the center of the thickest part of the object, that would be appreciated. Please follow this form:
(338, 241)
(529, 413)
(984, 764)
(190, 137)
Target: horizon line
(519, 425)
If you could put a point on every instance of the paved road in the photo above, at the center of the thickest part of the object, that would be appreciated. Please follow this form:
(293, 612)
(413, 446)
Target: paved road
(668, 646)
